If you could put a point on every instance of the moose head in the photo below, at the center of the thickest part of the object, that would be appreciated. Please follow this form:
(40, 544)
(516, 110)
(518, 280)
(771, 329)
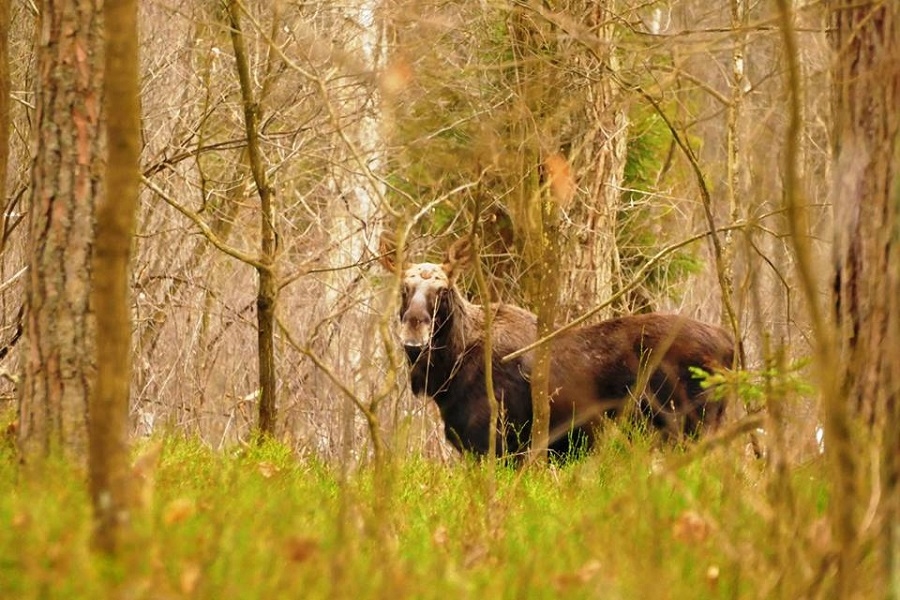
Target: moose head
(427, 294)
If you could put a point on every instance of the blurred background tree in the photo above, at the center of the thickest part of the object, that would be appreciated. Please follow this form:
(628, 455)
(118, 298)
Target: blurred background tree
(109, 459)
(863, 406)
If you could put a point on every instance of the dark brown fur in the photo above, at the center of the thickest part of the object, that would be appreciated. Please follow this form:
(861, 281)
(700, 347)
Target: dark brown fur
(595, 370)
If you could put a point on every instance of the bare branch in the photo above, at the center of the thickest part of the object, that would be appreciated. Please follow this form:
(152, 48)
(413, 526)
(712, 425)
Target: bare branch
(206, 231)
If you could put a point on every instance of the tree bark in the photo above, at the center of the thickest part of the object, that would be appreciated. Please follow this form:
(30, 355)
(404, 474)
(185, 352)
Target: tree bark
(267, 295)
(600, 165)
(108, 464)
(866, 38)
(58, 363)
(866, 80)
(4, 98)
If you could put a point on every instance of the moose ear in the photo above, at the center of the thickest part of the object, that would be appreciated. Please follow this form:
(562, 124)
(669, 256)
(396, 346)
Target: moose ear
(459, 257)
(387, 250)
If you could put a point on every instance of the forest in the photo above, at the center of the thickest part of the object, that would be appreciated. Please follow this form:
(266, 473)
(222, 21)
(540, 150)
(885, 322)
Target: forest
(208, 207)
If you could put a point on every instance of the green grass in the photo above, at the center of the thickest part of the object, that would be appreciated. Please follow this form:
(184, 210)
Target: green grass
(262, 524)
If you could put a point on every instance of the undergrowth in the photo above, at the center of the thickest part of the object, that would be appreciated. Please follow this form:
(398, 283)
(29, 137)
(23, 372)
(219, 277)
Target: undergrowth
(261, 523)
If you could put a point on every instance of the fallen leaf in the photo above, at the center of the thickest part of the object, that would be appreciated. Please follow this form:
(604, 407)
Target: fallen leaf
(21, 519)
(190, 578)
(712, 575)
(588, 570)
(268, 469)
(178, 510)
(300, 548)
(820, 535)
(585, 574)
(690, 527)
(440, 536)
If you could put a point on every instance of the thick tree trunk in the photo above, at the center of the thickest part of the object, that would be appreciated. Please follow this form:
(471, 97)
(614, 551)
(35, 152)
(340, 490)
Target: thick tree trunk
(867, 96)
(866, 78)
(600, 168)
(108, 464)
(59, 330)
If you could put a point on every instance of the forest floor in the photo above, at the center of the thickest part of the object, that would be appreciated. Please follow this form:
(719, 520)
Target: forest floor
(626, 521)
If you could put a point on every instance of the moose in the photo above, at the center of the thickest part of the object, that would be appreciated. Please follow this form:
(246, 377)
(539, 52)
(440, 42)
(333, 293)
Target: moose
(595, 371)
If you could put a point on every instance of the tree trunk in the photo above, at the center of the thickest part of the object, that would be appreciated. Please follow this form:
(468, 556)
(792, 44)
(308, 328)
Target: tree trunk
(600, 168)
(108, 464)
(535, 215)
(866, 97)
(267, 295)
(58, 363)
(866, 79)
(4, 99)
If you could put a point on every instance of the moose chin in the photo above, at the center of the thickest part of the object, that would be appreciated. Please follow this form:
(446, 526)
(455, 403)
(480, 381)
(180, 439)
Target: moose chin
(642, 365)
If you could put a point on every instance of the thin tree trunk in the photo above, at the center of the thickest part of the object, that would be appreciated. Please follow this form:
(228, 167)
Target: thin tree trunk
(59, 329)
(534, 215)
(4, 99)
(736, 172)
(267, 295)
(108, 463)
(839, 446)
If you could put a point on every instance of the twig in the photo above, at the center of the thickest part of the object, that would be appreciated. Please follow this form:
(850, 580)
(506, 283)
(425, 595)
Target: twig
(206, 231)
(8, 283)
(368, 412)
(688, 152)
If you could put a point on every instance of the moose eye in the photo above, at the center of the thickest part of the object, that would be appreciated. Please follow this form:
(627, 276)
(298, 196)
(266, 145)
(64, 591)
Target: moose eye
(441, 296)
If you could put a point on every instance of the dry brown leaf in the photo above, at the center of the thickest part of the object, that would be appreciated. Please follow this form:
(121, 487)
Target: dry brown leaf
(585, 574)
(190, 578)
(300, 548)
(712, 575)
(588, 570)
(559, 176)
(397, 76)
(690, 527)
(268, 469)
(12, 431)
(20, 520)
(440, 536)
(820, 535)
(178, 510)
